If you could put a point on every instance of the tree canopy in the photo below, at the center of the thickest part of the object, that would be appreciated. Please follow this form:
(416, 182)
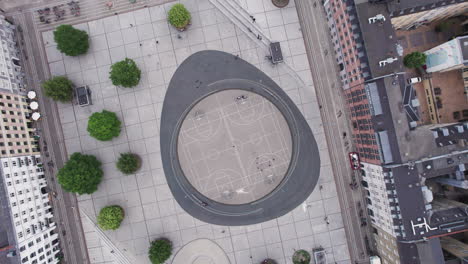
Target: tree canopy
(110, 217)
(71, 41)
(104, 125)
(415, 59)
(179, 16)
(125, 73)
(128, 163)
(81, 174)
(59, 89)
(160, 250)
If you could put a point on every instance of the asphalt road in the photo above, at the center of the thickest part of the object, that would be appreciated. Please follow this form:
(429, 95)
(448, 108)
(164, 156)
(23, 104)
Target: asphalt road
(66, 213)
(335, 119)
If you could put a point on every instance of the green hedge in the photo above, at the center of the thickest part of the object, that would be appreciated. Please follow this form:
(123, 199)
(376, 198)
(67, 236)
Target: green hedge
(128, 163)
(81, 174)
(125, 73)
(59, 89)
(71, 41)
(179, 16)
(110, 217)
(301, 257)
(104, 125)
(160, 250)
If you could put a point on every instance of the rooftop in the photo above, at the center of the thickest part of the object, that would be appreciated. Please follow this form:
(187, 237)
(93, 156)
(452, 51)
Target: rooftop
(404, 7)
(379, 39)
(449, 54)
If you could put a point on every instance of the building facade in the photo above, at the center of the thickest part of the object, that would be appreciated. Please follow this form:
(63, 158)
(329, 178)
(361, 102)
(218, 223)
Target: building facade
(394, 152)
(412, 14)
(31, 212)
(351, 57)
(11, 73)
(16, 128)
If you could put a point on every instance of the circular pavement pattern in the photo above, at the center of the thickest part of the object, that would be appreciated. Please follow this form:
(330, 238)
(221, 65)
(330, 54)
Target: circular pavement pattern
(234, 146)
(201, 251)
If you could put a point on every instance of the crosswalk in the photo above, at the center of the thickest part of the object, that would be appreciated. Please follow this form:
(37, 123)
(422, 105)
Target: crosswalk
(90, 10)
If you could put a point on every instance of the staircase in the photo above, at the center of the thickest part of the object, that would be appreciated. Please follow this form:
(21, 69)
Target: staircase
(91, 10)
(123, 257)
(241, 18)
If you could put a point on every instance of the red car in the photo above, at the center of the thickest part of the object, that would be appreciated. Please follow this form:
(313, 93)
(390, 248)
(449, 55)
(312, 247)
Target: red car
(354, 160)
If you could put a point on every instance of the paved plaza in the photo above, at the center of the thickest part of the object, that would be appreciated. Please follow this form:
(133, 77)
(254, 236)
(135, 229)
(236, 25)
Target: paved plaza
(151, 211)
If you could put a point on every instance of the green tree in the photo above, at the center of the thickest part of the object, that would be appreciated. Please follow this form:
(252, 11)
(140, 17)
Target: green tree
(110, 217)
(301, 257)
(179, 16)
(125, 73)
(160, 250)
(128, 163)
(81, 174)
(59, 89)
(415, 59)
(104, 125)
(71, 41)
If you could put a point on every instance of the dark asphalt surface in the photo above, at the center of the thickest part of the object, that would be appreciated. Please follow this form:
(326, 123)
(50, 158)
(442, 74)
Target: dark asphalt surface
(207, 72)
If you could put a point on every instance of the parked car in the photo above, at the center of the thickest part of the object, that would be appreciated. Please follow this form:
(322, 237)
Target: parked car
(354, 160)
(414, 80)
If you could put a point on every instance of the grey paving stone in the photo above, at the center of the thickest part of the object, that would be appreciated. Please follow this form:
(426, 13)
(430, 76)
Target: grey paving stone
(117, 54)
(211, 33)
(53, 54)
(145, 32)
(240, 242)
(287, 231)
(57, 68)
(111, 24)
(331, 205)
(126, 20)
(256, 238)
(114, 39)
(96, 27)
(157, 13)
(169, 224)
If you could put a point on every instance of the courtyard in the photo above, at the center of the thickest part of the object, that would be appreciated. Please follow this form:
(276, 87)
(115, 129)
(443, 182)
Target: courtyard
(447, 87)
(151, 211)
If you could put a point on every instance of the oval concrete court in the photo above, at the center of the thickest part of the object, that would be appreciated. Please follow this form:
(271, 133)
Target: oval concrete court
(235, 149)
(201, 251)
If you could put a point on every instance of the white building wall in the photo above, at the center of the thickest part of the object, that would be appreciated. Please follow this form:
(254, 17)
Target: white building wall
(382, 218)
(11, 74)
(24, 180)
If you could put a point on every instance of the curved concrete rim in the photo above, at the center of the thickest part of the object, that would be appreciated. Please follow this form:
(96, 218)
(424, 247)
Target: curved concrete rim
(208, 72)
(201, 251)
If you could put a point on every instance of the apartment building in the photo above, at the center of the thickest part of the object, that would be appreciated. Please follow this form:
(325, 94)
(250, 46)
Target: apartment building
(354, 71)
(412, 14)
(11, 73)
(31, 213)
(16, 128)
(401, 162)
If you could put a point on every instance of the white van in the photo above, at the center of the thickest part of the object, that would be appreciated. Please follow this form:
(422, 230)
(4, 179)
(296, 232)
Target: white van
(414, 80)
